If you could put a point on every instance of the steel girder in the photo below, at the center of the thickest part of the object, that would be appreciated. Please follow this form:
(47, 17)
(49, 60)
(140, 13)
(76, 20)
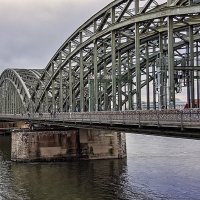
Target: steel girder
(16, 88)
(92, 70)
(129, 53)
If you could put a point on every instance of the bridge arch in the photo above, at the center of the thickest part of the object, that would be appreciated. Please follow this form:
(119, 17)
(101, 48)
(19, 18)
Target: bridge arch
(16, 86)
(98, 67)
(130, 55)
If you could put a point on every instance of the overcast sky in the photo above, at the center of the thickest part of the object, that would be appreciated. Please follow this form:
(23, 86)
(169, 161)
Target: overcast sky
(31, 31)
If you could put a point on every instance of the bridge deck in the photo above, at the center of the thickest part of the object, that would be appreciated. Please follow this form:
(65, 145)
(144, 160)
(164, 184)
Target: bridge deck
(179, 120)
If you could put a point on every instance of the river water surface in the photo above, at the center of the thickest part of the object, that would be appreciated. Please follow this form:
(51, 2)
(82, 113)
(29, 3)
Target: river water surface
(156, 168)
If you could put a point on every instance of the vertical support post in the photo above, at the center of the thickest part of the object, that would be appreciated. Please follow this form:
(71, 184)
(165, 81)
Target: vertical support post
(161, 83)
(191, 42)
(113, 47)
(130, 89)
(6, 102)
(1, 100)
(171, 63)
(198, 74)
(47, 102)
(70, 82)
(137, 59)
(119, 82)
(137, 6)
(105, 82)
(95, 75)
(15, 101)
(81, 75)
(5, 98)
(16, 104)
(12, 95)
(91, 95)
(188, 78)
(61, 91)
(20, 105)
(154, 86)
(147, 76)
(165, 76)
(125, 88)
(133, 86)
(53, 92)
(9, 98)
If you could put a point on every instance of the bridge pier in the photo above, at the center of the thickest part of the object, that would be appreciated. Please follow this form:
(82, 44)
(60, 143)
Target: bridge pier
(18, 124)
(76, 144)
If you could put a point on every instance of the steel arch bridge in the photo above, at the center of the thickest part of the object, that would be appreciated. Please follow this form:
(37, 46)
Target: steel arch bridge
(130, 55)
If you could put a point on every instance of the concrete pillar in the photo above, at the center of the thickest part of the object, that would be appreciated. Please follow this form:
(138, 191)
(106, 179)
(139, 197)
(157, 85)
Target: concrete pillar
(17, 125)
(102, 144)
(82, 144)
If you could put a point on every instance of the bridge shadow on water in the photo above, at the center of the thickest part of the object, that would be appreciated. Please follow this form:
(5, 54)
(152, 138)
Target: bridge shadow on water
(5, 147)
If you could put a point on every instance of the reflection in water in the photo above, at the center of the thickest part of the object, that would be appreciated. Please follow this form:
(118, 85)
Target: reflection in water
(5, 148)
(156, 168)
(77, 180)
(7, 190)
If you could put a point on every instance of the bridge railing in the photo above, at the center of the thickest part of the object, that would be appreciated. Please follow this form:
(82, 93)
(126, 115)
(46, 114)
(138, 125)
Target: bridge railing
(154, 117)
(128, 117)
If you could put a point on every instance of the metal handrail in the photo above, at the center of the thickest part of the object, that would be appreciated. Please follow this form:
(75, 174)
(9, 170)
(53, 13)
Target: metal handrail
(180, 118)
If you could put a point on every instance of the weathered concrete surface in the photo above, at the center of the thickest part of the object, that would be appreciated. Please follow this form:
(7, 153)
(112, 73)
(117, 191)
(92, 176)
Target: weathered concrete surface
(19, 124)
(6, 127)
(67, 145)
(98, 144)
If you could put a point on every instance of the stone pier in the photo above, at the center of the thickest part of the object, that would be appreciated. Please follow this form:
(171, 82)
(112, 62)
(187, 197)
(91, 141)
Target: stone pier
(77, 144)
(19, 124)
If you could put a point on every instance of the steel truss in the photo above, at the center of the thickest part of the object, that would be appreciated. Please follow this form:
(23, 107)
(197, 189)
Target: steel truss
(130, 55)
(16, 88)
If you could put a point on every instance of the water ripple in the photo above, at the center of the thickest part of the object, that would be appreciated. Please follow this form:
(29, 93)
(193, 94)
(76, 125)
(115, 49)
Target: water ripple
(157, 168)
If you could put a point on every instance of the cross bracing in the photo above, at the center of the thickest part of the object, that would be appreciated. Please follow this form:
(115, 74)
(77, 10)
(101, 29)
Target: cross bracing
(128, 53)
(17, 86)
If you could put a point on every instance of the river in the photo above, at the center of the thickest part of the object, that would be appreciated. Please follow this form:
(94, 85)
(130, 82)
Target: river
(156, 168)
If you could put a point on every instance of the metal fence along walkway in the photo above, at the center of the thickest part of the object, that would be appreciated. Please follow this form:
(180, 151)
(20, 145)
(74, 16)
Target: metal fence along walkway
(182, 119)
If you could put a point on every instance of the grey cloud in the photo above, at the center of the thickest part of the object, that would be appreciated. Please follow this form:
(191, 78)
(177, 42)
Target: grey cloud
(32, 31)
